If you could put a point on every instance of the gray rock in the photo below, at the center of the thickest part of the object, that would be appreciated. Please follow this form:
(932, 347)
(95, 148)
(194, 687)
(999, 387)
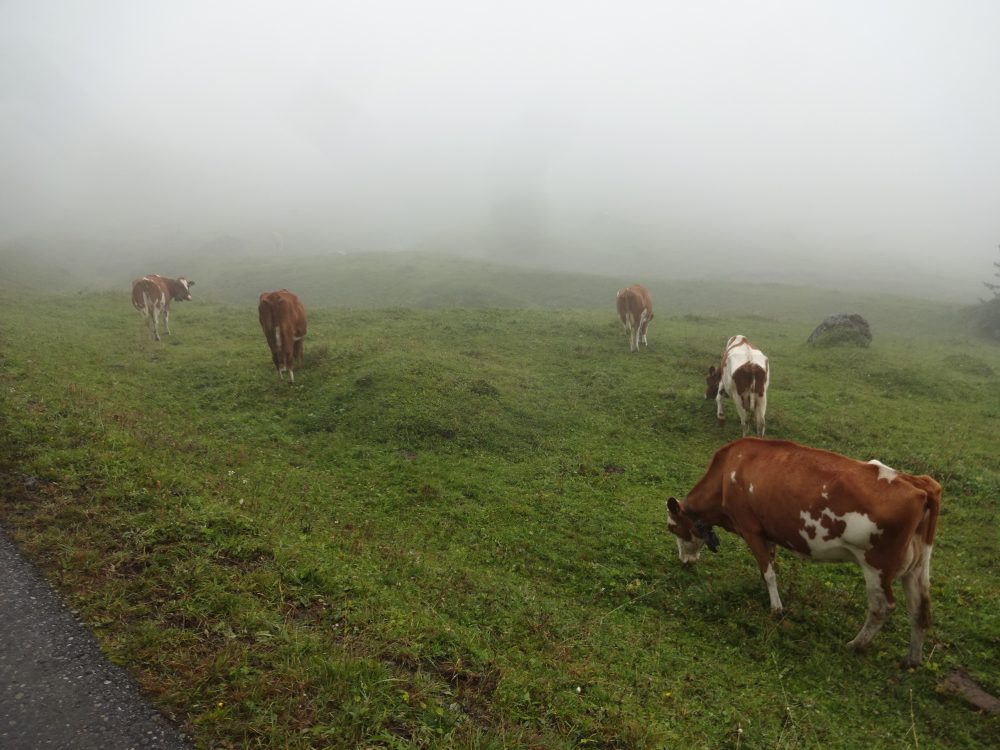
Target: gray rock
(842, 329)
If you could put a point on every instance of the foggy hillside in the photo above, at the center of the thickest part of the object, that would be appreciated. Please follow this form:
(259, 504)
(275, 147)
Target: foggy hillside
(849, 146)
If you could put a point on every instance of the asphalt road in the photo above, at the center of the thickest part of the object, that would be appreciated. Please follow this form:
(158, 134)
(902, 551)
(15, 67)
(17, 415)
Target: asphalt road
(57, 690)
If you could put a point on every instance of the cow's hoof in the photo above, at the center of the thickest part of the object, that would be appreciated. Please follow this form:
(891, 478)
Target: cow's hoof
(855, 646)
(720, 421)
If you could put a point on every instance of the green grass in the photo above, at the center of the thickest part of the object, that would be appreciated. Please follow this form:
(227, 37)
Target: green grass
(450, 532)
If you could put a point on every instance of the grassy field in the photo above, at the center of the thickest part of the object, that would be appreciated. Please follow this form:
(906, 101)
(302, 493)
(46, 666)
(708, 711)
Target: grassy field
(450, 532)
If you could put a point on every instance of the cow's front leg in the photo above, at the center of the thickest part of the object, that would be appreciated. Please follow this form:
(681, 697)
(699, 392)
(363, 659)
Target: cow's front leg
(720, 416)
(166, 321)
(878, 607)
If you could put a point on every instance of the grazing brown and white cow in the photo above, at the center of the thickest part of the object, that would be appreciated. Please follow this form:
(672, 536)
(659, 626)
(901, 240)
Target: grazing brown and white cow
(152, 295)
(744, 374)
(635, 310)
(826, 507)
(283, 319)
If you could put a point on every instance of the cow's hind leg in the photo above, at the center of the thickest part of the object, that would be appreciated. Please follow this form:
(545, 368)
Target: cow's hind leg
(879, 604)
(917, 587)
(742, 411)
(156, 322)
(763, 553)
(643, 326)
(759, 413)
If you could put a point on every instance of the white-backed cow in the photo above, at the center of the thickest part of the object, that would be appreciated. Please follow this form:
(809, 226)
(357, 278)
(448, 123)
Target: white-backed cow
(635, 310)
(826, 507)
(283, 319)
(152, 295)
(743, 373)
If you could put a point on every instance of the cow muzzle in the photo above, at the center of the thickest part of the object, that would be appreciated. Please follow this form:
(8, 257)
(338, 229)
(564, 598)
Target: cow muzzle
(689, 552)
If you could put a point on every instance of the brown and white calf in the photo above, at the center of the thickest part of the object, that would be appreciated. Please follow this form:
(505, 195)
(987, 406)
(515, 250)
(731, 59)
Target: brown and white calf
(152, 295)
(635, 310)
(826, 507)
(743, 373)
(283, 320)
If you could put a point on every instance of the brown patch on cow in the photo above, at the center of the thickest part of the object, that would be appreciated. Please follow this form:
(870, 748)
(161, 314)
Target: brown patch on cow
(810, 531)
(743, 378)
(749, 377)
(961, 684)
(835, 527)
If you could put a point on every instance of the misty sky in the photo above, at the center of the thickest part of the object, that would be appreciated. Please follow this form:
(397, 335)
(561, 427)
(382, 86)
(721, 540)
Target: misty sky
(709, 134)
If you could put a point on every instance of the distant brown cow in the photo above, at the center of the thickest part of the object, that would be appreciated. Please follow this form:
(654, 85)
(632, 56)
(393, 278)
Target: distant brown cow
(283, 319)
(152, 295)
(824, 506)
(635, 310)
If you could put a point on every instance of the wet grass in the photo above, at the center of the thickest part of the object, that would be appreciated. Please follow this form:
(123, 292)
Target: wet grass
(450, 532)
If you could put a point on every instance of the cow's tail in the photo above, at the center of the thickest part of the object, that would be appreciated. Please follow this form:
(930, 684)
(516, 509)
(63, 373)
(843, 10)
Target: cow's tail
(758, 386)
(932, 508)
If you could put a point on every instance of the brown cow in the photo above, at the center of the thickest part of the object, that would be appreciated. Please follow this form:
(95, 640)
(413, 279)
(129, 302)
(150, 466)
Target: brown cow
(152, 295)
(826, 507)
(283, 319)
(635, 310)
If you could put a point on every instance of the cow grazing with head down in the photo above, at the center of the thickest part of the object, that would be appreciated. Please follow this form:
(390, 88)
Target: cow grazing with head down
(743, 373)
(826, 507)
(152, 295)
(635, 310)
(283, 319)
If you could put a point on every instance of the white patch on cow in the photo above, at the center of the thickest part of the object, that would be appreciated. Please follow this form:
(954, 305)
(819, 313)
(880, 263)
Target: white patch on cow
(751, 488)
(732, 478)
(184, 283)
(277, 336)
(855, 540)
(824, 494)
(671, 521)
(884, 472)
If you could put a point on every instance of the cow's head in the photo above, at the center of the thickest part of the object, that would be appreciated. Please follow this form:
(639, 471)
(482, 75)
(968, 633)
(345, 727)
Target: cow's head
(182, 291)
(692, 533)
(712, 381)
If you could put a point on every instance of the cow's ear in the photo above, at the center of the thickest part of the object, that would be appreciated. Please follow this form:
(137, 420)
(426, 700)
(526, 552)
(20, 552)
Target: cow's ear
(190, 283)
(673, 506)
(711, 370)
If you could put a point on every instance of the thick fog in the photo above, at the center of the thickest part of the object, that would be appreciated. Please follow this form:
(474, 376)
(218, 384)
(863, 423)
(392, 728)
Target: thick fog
(848, 141)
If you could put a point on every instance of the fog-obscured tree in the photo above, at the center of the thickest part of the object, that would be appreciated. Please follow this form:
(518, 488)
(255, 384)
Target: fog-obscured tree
(987, 316)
